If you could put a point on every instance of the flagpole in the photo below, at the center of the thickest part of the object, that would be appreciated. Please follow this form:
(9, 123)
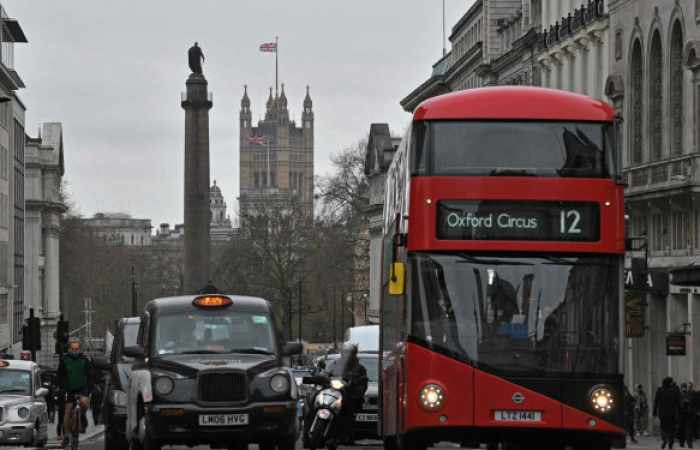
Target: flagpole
(277, 50)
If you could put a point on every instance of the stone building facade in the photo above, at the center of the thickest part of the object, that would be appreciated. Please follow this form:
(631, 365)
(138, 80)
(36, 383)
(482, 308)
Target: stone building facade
(220, 226)
(12, 110)
(276, 156)
(44, 208)
(381, 147)
(120, 229)
(654, 84)
(574, 46)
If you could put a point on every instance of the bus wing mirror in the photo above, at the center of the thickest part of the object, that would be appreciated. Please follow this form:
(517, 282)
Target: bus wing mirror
(397, 280)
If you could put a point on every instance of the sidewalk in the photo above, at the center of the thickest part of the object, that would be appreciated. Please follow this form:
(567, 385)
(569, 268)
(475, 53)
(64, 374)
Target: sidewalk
(91, 432)
(654, 443)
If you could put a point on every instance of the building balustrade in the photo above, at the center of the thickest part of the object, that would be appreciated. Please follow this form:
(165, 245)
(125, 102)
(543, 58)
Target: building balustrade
(570, 24)
(671, 173)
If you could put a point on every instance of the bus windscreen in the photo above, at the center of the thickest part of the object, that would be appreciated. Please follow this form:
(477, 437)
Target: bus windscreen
(512, 148)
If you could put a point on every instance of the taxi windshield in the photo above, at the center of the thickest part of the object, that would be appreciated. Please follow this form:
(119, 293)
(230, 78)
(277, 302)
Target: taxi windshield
(15, 382)
(213, 332)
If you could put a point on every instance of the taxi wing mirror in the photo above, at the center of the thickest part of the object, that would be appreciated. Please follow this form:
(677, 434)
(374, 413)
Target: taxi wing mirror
(134, 351)
(292, 348)
(397, 279)
(41, 392)
(101, 363)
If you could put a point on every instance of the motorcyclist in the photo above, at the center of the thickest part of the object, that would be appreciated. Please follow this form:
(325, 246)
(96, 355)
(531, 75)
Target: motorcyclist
(75, 378)
(355, 377)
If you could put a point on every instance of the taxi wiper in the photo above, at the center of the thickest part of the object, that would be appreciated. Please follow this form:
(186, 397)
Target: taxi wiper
(198, 352)
(8, 391)
(252, 351)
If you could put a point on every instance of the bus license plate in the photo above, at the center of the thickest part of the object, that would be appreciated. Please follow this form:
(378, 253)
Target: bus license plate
(518, 416)
(366, 417)
(223, 420)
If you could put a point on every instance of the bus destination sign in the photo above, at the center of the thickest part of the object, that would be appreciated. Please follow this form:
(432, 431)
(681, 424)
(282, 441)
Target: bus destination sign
(518, 220)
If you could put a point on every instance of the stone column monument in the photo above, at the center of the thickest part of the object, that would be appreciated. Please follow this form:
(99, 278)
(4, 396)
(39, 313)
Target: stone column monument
(196, 102)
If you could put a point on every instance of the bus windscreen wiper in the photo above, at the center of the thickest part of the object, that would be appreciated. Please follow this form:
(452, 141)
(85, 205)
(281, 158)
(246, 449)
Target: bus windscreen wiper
(512, 173)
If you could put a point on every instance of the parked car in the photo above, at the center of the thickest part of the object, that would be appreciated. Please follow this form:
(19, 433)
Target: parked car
(209, 371)
(23, 413)
(116, 384)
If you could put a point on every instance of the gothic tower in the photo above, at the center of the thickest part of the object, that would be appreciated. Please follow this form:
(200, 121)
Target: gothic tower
(276, 156)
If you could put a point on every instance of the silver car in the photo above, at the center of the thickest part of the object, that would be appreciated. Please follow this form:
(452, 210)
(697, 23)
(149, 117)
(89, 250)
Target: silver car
(23, 416)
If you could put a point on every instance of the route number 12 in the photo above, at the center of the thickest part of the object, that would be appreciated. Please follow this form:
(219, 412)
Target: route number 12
(570, 221)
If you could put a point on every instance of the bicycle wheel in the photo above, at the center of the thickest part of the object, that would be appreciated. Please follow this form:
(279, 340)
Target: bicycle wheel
(75, 425)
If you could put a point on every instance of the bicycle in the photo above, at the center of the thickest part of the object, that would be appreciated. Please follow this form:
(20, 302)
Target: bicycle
(76, 423)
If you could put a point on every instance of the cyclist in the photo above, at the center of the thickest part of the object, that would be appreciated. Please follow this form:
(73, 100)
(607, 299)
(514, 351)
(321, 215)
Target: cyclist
(74, 378)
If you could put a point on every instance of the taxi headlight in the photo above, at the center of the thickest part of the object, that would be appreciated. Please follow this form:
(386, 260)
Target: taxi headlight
(23, 412)
(118, 398)
(279, 383)
(337, 384)
(163, 385)
(432, 397)
(602, 399)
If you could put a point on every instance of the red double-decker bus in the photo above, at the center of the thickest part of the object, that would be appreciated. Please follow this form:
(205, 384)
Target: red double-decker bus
(503, 261)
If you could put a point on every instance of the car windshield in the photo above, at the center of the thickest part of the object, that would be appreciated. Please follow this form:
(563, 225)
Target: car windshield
(519, 313)
(214, 331)
(16, 382)
(371, 365)
(496, 148)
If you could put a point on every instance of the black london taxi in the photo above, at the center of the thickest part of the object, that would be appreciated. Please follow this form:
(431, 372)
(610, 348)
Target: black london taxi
(209, 370)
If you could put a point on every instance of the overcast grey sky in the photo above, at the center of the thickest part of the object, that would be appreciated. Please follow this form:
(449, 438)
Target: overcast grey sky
(112, 72)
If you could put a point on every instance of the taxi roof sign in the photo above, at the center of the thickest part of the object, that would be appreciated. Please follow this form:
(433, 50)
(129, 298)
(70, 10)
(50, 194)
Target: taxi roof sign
(212, 301)
(4, 363)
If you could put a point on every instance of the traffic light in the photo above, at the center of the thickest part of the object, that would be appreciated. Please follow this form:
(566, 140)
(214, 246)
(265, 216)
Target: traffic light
(62, 332)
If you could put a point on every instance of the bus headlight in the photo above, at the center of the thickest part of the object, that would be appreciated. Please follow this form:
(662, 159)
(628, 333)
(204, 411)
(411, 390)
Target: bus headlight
(432, 397)
(602, 399)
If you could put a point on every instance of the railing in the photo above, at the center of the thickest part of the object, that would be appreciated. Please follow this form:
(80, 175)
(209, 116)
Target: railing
(570, 24)
(676, 171)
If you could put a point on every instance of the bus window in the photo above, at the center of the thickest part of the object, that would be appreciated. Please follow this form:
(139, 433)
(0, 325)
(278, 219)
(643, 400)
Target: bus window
(487, 148)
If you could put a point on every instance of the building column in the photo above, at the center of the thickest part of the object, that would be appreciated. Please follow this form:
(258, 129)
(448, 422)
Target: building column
(545, 15)
(52, 284)
(690, 350)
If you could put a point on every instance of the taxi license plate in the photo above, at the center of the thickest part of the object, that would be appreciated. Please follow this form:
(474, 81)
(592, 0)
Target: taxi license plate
(223, 420)
(366, 417)
(518, 416)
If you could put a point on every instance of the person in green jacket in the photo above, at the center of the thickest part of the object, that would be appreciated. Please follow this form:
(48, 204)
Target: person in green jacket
(74, 378)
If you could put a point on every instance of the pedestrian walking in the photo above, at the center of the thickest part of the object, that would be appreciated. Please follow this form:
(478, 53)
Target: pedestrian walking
(641, 411)
(695, 395)
(630, 402)
(667, 402)
(686, 418)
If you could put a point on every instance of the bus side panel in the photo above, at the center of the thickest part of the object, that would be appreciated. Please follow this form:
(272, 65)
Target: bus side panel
(455, 377)
(492, 394)
(390, 394)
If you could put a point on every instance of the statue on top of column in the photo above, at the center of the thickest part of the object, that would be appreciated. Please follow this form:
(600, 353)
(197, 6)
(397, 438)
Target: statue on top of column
(195, 57)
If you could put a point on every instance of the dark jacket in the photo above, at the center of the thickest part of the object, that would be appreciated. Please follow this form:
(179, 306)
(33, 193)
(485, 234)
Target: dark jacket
(75, 373)
(667, 402)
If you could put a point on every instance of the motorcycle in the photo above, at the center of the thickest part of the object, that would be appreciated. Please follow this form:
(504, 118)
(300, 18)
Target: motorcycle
(326, 403)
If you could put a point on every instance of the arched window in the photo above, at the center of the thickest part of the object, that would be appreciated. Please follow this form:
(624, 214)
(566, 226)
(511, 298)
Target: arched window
(655, 98)
(676, 89)
(636, 95)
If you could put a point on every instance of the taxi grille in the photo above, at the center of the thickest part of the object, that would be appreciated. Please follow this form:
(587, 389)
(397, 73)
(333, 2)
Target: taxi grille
(222, 387)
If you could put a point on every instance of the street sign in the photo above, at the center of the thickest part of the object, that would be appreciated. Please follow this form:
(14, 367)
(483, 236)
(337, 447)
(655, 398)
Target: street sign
(675, 344)
(635, 307)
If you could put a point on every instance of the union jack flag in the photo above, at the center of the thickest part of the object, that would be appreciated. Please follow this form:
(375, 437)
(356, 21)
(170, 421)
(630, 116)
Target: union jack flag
(256, 140)
(269, 47)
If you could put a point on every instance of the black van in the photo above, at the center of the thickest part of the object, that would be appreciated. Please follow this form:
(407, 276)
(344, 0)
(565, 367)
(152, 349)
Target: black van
(209, 371)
